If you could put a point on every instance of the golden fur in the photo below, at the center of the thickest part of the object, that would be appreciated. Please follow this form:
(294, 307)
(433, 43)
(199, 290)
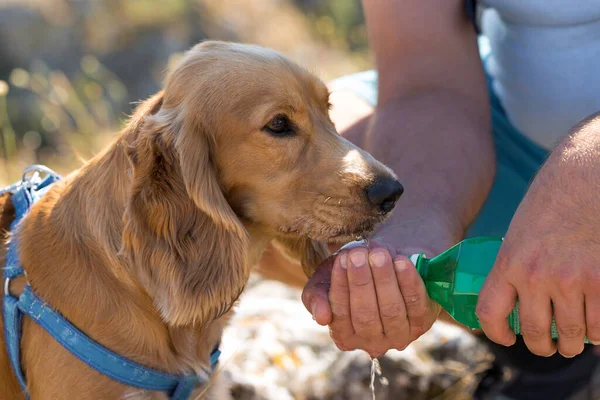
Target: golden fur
(148, 245)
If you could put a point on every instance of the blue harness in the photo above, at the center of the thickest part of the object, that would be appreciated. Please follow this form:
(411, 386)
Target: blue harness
(24, 195)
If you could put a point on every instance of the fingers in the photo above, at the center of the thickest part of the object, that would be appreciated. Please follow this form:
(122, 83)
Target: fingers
(315, 293)
(569, 310)
(569, 314)
(363, 298)
(341, 329)
(535, 314)
(392, 310)
(591, 283)
(592, 317)
(418, 305)
(497, 299)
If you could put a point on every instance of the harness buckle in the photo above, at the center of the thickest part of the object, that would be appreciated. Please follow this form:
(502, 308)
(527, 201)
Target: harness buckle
(6, 284)
(31, 175)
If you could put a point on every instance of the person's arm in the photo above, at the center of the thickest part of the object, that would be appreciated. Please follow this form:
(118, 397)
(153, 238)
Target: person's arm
(550, 258)
(432, 122)
(432, 127)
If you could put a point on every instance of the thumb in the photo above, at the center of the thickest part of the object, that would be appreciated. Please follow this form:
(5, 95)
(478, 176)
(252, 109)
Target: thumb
(316, 292)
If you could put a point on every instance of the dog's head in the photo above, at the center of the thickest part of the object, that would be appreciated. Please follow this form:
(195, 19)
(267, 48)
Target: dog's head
(241, 136)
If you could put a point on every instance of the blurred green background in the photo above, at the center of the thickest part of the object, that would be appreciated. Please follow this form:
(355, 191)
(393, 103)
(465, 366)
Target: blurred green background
(71, 71)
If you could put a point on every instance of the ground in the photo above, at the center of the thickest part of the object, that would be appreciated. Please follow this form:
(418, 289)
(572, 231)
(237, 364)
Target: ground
(274, 350)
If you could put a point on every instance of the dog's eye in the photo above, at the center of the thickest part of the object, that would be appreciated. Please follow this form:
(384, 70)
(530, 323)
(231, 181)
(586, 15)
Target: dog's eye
(279, 126)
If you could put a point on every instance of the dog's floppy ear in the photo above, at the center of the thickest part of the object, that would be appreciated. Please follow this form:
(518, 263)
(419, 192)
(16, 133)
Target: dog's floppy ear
(309, 253)
(180, 235)
(199, 175)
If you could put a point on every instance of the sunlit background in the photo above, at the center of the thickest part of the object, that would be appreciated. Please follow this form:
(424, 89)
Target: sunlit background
(71, 71)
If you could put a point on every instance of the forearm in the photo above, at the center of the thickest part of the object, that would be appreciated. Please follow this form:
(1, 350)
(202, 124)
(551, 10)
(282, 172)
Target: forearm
(440, 146)
(432, 122)
(570, 178)
(581, 148)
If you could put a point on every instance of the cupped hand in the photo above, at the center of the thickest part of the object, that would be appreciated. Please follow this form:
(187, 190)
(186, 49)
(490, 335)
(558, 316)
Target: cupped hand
(372, 299)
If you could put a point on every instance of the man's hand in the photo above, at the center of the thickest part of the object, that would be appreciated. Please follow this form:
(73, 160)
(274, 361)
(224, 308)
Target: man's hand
(550, 259)
(370, 299)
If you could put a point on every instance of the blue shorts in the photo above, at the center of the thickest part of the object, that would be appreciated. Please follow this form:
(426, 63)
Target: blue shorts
(518, 158)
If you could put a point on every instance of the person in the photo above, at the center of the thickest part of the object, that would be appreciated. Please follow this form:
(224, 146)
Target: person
(493, 134)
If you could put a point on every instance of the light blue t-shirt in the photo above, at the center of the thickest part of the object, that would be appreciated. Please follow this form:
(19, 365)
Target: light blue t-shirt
(545, 61)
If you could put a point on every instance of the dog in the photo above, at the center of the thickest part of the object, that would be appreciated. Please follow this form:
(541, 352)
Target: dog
(149, 244)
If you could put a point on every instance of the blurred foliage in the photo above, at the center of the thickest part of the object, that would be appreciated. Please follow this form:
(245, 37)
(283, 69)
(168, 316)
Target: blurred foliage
(71, 71)
(339, 23)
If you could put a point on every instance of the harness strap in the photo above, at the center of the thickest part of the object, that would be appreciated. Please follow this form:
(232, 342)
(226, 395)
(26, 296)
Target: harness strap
(22, 200)
(12, 336)
(99, 357)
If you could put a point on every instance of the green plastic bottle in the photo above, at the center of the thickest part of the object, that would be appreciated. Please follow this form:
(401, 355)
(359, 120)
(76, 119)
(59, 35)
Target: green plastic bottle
(454, 279)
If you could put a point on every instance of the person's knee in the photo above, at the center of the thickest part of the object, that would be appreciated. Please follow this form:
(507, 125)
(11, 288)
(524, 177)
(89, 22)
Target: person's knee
(347, 109)
(353, 98)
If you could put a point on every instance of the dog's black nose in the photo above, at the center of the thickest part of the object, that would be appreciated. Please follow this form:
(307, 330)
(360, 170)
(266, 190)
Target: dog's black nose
(384, 192)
